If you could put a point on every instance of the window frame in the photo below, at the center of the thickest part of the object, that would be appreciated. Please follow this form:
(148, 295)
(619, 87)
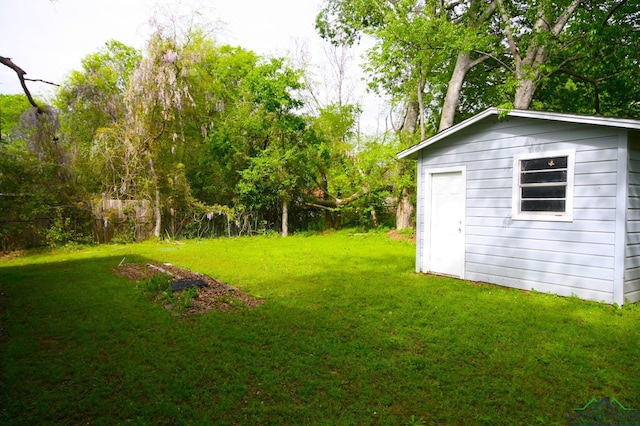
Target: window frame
(567, 215)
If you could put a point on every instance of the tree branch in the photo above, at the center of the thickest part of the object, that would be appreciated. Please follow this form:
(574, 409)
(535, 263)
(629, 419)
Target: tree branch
(513, 47)
(596, 87)
(336, 202)
(612, 11)
(38, 80)
(564, 17)
(21, 73)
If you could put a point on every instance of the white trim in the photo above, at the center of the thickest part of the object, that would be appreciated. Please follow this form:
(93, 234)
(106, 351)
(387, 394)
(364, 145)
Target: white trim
(424, 261)
(540, 115)
(567, 216)
(622, 186)
(420, 232)
(411, 151)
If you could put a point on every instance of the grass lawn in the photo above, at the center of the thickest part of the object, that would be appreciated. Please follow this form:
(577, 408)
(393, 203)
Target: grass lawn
(348, 335)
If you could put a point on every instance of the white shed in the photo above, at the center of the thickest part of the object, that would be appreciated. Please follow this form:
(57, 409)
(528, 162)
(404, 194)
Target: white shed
(533, 200)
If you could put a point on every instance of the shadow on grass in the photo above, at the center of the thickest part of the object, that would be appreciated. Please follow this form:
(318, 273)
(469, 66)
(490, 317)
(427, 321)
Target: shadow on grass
(355, 341)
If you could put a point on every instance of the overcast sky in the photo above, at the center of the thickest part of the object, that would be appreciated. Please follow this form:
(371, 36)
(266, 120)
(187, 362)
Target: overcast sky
(48, 39)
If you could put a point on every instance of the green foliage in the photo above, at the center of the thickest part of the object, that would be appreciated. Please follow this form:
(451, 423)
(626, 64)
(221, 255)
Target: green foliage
(35, 181)
(598, 73)
(158, 283)
(91, 104)
(191, 124)
(580, 59)
(416, 47)
(413, 421)
(159, 289)
(11, 108)
(60, 232)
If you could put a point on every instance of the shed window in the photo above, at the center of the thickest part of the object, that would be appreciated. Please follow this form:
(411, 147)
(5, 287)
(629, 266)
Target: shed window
(544, 186)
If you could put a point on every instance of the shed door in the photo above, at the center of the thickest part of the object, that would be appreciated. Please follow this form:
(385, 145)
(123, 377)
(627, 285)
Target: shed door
(446, 242)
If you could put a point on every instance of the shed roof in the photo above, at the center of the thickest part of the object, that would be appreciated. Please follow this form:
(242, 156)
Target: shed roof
(412, 152)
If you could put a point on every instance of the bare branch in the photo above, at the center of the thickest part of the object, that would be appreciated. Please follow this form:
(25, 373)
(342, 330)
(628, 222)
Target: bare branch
(38, 80)
(21, 73)
(564, 17)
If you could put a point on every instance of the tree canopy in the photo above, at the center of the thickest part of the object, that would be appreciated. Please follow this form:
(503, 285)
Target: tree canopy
(189, 137)
(443, 58)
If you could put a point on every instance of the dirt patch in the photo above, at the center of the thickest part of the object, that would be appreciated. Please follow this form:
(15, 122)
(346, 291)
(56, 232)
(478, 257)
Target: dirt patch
(11, 254)
(212, 294)
(395, 235)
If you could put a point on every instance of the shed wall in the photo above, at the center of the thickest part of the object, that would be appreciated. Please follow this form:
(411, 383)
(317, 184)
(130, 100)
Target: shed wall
(566, 258)
(632, 249)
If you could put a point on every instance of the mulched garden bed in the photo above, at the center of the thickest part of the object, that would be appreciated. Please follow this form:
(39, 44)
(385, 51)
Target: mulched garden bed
(212, 294)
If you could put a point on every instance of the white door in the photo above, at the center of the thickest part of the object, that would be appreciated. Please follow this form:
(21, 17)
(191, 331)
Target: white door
(446, 229)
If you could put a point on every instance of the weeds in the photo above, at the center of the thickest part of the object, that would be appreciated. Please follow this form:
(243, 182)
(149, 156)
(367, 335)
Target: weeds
(159, 288)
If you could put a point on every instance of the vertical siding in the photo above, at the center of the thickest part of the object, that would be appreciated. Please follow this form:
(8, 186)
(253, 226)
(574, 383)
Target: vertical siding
(566, 258)
(632, 251)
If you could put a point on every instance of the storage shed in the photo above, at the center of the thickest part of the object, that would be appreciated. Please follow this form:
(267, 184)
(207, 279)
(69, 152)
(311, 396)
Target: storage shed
(533, 200)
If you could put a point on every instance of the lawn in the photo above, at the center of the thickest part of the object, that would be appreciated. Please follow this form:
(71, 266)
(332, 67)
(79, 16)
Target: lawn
(348, 334)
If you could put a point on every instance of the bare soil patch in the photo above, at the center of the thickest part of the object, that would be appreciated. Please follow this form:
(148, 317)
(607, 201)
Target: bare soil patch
(395, 235)
(212, 294)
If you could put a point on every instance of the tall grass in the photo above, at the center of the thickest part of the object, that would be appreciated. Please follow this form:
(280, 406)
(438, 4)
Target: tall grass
(349, 334)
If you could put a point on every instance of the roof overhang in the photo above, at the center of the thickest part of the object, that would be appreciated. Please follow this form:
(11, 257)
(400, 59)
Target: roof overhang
(412, 152)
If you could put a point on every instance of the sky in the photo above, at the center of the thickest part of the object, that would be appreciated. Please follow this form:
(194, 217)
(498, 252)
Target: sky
(49, 38)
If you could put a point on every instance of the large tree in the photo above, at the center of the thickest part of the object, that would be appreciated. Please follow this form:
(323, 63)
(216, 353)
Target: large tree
(91, 102)
(509, 48)
(597, 72)
(423, 49)
(276, 170)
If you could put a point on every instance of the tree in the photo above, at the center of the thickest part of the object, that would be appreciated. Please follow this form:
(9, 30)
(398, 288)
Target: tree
(274, 172)
(424, 49)
(156, 97)
(532, 39)
(522, 45)
(20, 73)
(226, 120)
(91, 103)
(37, 182)
(580, 78)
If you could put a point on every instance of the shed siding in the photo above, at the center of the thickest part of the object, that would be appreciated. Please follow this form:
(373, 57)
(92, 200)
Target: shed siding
(561, 257)
(632, 249)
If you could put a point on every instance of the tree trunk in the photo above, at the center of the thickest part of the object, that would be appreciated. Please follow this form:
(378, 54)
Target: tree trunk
(454, 88)
(333, 219)
(421, 107)
(463, 65)
(524, 94)
(157, 216)
(411, 117)
(285, 217)
(528, 69)
(404, 211)
(374, 218)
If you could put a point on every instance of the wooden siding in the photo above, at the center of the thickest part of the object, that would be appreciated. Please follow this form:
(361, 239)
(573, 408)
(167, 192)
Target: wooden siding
(632, 249)
(566, 258)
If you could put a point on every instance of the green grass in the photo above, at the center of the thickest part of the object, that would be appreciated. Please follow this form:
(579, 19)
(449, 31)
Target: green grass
(349, 334)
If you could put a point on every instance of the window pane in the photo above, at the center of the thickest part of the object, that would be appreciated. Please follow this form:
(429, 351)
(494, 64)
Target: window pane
(544, 177)
(548, 163)
(544, 192)
(542, 205)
